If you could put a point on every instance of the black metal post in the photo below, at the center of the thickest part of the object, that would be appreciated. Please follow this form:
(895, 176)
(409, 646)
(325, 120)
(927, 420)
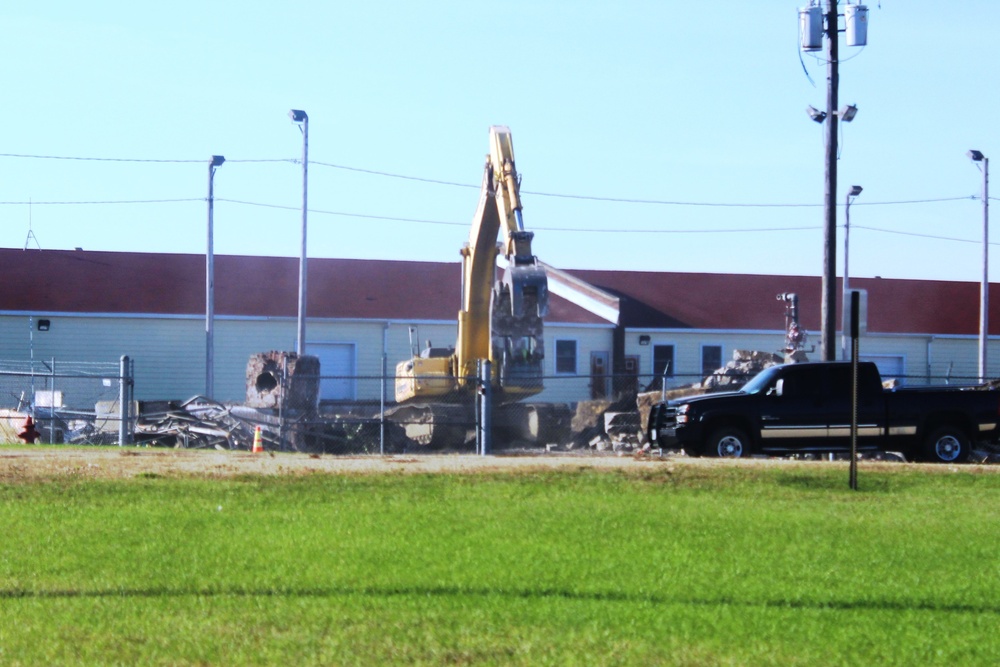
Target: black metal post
(855, 331)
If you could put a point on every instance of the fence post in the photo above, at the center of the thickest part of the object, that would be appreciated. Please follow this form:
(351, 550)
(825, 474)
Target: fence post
(381, 409)
(281, 404)
(124, 401)
(486, 409)
(52, 402)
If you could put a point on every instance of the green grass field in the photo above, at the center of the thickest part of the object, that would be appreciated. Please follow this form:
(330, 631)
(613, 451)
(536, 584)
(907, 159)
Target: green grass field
(673, 564)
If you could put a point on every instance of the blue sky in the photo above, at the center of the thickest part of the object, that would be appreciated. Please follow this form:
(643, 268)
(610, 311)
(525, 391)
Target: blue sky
(697, 103)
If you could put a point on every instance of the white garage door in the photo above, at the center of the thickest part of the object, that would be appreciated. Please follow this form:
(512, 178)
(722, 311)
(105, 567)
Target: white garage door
(336, 367)
(889, 366)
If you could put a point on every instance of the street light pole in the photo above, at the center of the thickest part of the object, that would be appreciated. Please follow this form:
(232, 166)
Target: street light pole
(215, 162)
(984, 288)
(844, 303)
(302, 117)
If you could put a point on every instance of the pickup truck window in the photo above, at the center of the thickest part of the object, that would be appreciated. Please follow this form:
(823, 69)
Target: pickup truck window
(801, 384)
(842, 380)
(761, 382)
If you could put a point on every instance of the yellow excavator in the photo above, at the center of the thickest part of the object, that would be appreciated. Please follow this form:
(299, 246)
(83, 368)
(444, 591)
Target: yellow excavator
(500, 320)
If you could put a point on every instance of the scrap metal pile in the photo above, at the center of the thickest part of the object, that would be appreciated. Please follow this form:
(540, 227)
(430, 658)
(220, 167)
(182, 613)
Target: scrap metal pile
(198, 422)
(202, 423)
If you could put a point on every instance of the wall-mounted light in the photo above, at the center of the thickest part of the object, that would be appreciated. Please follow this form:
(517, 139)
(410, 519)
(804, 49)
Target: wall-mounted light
(43, 325)
(643, 340)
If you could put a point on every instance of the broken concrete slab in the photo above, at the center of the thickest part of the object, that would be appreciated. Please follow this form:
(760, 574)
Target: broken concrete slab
(283, 380)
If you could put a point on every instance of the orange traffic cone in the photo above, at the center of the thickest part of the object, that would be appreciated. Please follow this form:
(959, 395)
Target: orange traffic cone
(258, 441)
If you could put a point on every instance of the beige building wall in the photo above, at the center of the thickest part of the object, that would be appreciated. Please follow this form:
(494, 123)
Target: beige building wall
(564, 387)
(161, 348)
(919, 359)
(169, 352)
(688, 345)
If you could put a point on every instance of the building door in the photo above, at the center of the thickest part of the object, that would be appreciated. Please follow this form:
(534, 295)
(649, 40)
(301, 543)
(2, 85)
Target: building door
(336, 368)
(599, 375)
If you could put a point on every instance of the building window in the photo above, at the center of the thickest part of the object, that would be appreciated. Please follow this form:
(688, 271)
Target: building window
(566, 356)
(711, 359)
(663, 361)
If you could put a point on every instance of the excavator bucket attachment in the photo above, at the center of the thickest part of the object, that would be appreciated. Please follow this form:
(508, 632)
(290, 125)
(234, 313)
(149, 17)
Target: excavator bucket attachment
(520, 301)
(528, 287)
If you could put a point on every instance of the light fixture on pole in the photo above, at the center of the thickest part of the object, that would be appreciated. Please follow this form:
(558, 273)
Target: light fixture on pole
(816, 114)
(984, 288)
(213, 163)
(848, 113)
(844, 302)
(301, 117)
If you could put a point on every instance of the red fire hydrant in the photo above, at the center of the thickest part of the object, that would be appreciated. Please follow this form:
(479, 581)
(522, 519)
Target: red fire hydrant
(29, 434)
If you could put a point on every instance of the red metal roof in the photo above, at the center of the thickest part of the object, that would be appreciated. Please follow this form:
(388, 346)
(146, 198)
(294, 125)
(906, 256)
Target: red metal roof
(131, 283)
(730, 301)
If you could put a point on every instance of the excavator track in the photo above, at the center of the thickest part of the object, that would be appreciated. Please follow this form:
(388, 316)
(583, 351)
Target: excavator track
(435, 425)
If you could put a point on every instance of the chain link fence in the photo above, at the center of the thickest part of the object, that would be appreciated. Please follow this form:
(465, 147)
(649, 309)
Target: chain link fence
(66, 401)
(289, 408)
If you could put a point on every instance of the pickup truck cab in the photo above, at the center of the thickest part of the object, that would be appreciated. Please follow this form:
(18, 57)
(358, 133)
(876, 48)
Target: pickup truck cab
(806, 407)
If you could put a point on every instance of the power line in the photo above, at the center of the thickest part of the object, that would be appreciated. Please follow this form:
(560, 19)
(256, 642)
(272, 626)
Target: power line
(424, 221)
(577, 230)
(434, 181)
(919, 235)
(129, 159)
(387, 174)
(543, 229)
(630, 200)
(83, 203)
(343, 213)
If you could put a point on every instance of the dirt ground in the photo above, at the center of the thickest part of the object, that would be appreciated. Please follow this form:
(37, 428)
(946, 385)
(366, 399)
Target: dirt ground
(19, 463)
(27, 463)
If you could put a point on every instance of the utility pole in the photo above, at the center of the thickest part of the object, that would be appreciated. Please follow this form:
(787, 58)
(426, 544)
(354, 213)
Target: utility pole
(829, 299)
(811, 24)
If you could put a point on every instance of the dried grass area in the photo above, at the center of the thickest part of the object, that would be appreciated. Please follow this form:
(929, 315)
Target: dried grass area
(27, 464)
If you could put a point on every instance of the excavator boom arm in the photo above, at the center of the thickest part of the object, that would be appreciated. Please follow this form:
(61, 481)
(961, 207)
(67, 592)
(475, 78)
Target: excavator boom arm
(499, 320)
(514, 308)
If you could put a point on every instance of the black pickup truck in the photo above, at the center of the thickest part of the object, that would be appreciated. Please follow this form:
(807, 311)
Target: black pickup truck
(806, 407)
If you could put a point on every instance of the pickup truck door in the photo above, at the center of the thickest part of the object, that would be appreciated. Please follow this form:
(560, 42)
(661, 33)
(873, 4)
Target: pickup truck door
(871, 406)
(792, 413)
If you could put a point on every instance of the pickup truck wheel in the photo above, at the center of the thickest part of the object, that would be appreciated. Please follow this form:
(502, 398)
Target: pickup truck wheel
(728, 442)
(946, 445)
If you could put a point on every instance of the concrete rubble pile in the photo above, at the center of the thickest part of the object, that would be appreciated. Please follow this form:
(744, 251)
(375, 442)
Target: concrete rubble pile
(621, 426)
(605, 426)
(282, 392)
(744, 365)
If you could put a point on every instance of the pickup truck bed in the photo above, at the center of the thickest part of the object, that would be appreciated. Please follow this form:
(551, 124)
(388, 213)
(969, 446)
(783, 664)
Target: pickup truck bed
(807, 407)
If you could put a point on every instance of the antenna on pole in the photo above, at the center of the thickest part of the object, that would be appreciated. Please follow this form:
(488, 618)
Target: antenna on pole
(31, 234)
